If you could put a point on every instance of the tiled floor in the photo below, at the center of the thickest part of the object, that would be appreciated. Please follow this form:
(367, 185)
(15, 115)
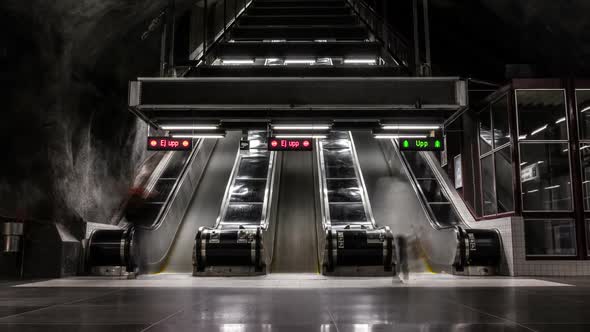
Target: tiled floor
(412, 308)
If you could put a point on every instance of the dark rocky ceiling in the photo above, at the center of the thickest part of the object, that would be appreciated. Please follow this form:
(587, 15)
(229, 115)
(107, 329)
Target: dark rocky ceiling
(479, 37)
(70, 147)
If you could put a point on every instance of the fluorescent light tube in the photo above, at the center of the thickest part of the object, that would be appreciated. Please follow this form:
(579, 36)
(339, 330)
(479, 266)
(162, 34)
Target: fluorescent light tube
(560, 120)
(299, 61)
(538, 130)
(199, 136)
(410, 127)
(237, 62)
(395, 136)
(360, 61)
(301, 136)
(301, 127)
(189, 127)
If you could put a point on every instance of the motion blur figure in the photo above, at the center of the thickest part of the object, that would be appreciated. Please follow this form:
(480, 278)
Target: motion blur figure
(402, 256)
(136, 211)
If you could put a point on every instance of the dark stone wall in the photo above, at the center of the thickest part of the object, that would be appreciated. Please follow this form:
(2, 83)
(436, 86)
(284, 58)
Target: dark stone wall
(70, 148)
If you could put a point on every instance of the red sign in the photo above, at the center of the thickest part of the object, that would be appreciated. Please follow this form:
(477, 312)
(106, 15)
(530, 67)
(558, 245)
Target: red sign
(290, 144)
(169, 144)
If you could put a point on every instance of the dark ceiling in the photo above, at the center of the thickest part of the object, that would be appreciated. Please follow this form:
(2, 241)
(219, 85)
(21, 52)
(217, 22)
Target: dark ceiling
(478, 38)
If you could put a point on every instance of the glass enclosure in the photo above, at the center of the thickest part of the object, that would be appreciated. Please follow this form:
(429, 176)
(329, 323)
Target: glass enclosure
(541, 115)
(497, 193)
(545, 177)
(583, 108)
(526, 152)
(544, 155)
(550, 237)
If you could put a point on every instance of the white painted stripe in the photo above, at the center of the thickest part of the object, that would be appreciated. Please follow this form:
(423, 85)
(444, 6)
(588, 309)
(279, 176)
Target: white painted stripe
(295, 281)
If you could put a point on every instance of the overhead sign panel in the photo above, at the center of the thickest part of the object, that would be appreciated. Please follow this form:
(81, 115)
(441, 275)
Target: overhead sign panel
(294, 144)
(169, 144)
(421, 144)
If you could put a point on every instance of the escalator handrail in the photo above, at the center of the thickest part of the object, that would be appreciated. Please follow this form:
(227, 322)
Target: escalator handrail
(181, 177)
(326, 219)
(268, 190)
(434, 222)
(323, 187)
(227, 193)
(361, 179)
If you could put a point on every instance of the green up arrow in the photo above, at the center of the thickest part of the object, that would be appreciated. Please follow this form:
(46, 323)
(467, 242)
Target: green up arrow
(437, 144)
(406, 144)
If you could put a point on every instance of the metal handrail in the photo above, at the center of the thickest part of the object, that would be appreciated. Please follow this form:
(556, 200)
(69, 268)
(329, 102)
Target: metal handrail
(181, 176)
(361, 180)
(392, 41)
(325, 214)
(226, 26)
(422, 197)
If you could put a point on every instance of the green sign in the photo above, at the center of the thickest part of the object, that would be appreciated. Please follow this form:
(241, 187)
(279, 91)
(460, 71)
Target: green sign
(421, 144)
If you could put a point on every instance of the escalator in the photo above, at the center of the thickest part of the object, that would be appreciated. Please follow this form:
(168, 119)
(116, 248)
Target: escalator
(145, 208)
(321, 216)
(354, 244)
(204, 206)
(411, 199)
(152, 214)
(241, 240)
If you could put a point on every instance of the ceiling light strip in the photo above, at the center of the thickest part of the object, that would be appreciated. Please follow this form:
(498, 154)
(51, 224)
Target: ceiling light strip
(410, 127)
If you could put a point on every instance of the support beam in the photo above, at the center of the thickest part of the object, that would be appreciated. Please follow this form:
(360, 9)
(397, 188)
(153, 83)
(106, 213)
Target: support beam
(360, 98)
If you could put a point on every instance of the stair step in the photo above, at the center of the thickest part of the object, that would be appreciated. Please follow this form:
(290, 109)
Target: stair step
(285, 71)
(305, 3)
(299, 33)
(291, 20)
(271, 11)
(311, 49)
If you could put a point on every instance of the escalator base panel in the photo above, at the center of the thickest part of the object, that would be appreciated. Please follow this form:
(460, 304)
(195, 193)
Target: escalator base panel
(360, 271)
(224, 271)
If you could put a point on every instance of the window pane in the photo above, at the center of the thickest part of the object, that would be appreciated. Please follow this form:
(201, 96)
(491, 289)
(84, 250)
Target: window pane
(485, 132)
(585, 155)
(487, 186)
(583, 99)
(541, 115)
(550, 237)
(545, 177)
(504, 191)
(500, 117)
